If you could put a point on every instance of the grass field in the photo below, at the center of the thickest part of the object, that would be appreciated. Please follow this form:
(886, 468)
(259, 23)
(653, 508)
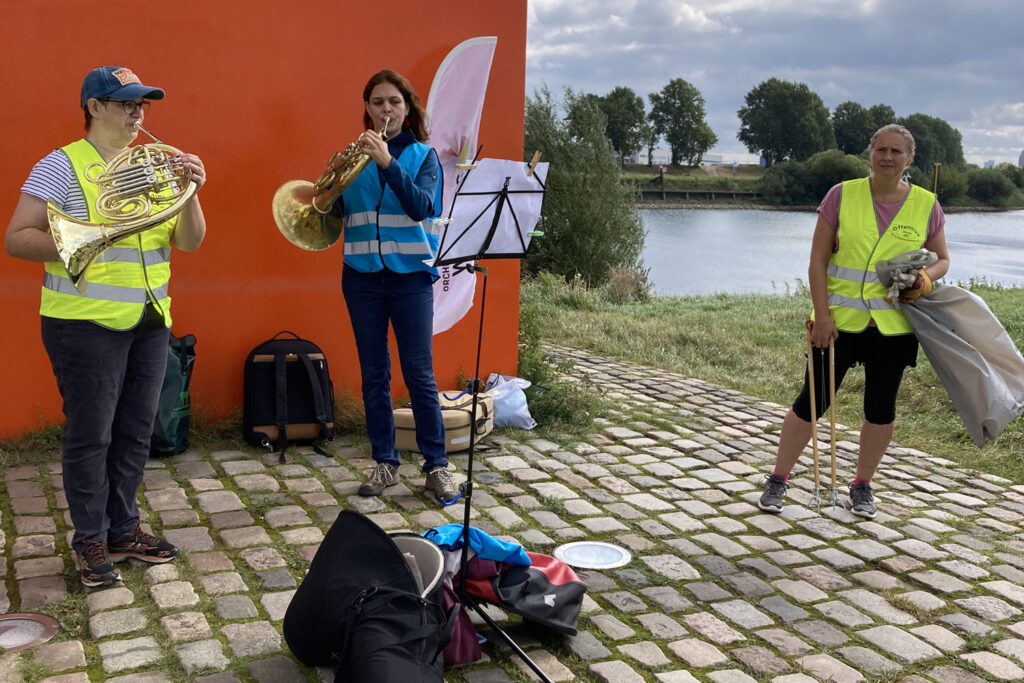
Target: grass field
(755, 344)
(745, 179)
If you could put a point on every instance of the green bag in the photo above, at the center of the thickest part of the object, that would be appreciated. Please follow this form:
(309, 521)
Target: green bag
(170, 429)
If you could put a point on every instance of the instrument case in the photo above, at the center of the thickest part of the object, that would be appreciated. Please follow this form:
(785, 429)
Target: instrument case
(456, 411)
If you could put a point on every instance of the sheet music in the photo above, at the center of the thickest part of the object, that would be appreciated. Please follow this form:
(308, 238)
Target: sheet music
(496, 206)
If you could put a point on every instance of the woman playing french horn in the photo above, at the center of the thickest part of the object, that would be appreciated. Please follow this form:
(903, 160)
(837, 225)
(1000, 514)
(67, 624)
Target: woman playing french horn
(385, 279)
(108, 345)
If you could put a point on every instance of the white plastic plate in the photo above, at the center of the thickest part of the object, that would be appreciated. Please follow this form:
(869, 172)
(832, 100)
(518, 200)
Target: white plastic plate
(593, 555)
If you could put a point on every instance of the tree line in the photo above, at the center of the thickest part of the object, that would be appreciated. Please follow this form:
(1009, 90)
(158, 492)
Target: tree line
(589, 219)
(786, 122)
(780, 121)
(808, 149)
(677, 115)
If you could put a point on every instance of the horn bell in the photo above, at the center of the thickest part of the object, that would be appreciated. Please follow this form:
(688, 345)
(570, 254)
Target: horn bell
(299, 222)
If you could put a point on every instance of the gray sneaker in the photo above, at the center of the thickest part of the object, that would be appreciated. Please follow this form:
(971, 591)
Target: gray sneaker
(381, 476)
(862, 502)
(774, 490)
(439, 480)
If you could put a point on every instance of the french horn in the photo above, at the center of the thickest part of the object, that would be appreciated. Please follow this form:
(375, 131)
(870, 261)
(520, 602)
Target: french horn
(302, 210)
(140, 188)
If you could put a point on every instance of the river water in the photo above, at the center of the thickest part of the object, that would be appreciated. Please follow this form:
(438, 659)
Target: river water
(702, 251)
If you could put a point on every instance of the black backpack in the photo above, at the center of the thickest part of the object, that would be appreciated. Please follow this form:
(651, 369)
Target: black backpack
(289, 396)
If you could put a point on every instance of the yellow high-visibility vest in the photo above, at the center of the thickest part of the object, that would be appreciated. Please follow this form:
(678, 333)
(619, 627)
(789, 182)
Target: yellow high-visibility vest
(122, 278)
(855, 295)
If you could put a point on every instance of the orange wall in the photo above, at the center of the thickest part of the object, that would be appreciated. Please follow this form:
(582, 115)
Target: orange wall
(264, 92)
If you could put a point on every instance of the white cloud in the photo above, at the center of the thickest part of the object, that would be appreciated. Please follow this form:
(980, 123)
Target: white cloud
(1007, 114)
(953, 60)
(692, 18)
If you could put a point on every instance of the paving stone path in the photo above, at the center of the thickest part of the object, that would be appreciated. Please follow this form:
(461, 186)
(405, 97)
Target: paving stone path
(931, 590)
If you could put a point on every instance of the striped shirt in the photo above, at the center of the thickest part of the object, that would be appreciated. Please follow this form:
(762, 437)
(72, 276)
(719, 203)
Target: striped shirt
(53, 179)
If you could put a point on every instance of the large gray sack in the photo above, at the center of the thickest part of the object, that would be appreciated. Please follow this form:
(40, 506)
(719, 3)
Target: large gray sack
(974, 357)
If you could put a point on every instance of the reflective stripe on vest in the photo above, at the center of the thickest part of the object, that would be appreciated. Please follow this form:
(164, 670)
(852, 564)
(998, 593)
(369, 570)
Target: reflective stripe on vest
(856, 296)
(374, 247)
(851, 274)
(122, 277)
(835, 300)
(378, 232)
(129, 295)
(130, 255)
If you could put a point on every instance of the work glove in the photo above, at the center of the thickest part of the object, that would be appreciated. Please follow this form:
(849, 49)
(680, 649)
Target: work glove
(923, 287)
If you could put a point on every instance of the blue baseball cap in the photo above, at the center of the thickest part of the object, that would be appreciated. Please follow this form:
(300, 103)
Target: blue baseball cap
(118, 82)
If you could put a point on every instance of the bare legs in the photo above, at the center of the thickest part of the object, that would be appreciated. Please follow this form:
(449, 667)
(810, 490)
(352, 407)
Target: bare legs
(796, 434)
(874, 439)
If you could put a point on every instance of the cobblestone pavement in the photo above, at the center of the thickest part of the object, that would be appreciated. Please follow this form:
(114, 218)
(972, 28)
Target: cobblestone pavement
(931, 590)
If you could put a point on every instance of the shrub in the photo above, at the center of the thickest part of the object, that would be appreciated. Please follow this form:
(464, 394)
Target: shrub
(832, 167)
(589, 217)
(952, 183)
(625, 286)
(1014, 174)
(989, 186)
(790, 183)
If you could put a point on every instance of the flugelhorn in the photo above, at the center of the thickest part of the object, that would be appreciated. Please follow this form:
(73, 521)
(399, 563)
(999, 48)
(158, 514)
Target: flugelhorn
(302, 209)
(140, 188)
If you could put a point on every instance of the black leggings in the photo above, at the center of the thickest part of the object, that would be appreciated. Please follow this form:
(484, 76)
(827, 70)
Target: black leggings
(884, 359)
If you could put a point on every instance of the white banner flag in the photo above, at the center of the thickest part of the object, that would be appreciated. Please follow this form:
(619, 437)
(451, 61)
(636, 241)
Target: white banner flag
(454, 106)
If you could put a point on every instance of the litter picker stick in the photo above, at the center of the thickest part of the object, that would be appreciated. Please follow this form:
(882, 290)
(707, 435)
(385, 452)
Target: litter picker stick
(832, 411)
(814, 412)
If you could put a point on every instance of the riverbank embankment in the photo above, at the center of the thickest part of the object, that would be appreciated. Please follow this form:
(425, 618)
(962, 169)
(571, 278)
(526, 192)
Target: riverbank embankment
(754, 204)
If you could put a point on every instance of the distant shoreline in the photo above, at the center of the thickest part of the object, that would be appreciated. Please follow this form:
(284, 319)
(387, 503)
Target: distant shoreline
(708, 204)
(717, 204)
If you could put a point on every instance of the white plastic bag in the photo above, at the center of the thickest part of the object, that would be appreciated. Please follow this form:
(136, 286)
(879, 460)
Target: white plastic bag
(510, 409)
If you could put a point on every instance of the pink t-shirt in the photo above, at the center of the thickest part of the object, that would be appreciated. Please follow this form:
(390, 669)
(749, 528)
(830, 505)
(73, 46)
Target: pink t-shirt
(884, 213)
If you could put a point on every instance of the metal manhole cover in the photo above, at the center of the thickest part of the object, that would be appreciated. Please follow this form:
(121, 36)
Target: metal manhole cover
(593, 555)
(21, 630)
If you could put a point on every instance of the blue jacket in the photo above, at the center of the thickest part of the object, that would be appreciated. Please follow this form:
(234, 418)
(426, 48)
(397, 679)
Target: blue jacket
(449, 537)
(385, 211)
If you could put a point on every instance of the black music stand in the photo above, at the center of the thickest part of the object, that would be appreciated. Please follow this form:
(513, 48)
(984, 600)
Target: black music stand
(487, 223)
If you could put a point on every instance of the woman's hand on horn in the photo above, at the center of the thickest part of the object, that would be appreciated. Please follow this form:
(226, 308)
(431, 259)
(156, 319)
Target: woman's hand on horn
(371, 143)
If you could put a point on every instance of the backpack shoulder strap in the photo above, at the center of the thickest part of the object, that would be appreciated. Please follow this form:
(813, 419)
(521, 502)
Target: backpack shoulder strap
(281, 399)
(320, 398)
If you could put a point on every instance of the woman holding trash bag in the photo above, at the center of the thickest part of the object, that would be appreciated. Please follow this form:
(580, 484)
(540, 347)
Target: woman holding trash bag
(385, 280)
(861, 222)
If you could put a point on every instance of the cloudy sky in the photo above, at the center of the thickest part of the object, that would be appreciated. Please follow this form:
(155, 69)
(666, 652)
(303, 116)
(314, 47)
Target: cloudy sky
(961, 61)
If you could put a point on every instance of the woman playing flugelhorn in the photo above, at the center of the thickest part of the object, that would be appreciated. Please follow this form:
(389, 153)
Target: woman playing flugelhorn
(385, 279)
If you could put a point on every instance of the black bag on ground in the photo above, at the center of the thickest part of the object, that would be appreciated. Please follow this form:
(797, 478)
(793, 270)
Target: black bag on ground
(173, 414)
(371, 606)
(547, 592)
(288, 395)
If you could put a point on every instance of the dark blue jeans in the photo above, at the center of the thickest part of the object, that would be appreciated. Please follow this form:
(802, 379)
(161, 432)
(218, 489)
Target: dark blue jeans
(407, 301)
(110, 382)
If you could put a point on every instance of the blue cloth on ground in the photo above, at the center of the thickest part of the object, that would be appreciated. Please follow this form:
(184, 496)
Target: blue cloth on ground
(450, 536)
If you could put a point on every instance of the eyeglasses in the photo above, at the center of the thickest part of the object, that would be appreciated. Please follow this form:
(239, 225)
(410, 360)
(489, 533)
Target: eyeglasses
(131, 106)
